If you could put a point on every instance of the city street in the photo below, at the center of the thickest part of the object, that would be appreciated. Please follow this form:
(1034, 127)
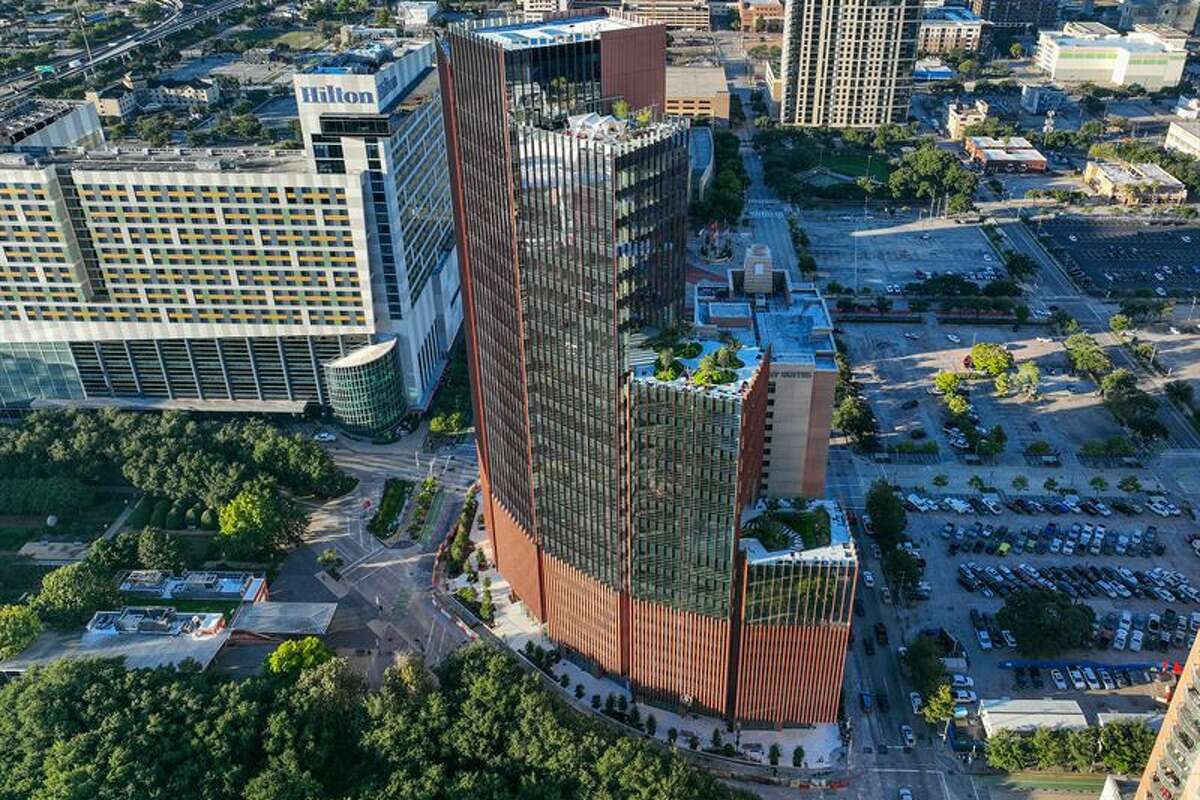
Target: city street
(387, 588)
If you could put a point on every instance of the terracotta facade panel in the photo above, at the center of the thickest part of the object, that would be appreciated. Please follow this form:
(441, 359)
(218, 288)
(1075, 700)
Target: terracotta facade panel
(633, 65)
(791, 675)
(583, 614)
(677, 654)
(516, 554)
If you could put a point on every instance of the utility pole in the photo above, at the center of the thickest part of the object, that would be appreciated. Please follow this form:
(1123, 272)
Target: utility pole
(86, 46)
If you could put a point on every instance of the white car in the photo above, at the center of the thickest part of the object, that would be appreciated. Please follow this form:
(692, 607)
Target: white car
(1135, 641)
(962, 681)
(1060, 682)
(324, 437)
(906, 794)
(1045, 339)
(1089, 676)
(985, 641)
(906, 734)
(868, 579)
(1073, 237)
(954, 338)
(1120, 639)
(914, 699)
(1076, 679)
(1009, 639)
(965, 696)
(912, 336)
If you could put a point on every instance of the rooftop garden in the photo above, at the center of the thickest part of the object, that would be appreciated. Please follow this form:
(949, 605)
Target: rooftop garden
(777, 526)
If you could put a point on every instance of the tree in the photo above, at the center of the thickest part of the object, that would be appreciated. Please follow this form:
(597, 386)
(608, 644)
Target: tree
(1050, 748)
(71, 594)
(887, 513)
(991, 359)
(1017, 50)
(1046, 623)
(938, 706)
(716, 741)
(1020, 483)
(1027, 379)
(941, 480)
(854, 418)
(773, 754)
(948, 383)
(672, 735)
(1098, 483)
(902, 570)
(1008, 751)
(19, 626)
(1181, 392)
(284, 779)
(798, 756)
(1082, 747)
(957, 405)
(259, 520)
(1119, 324)
(651, 724)
(1129, 484)
(297, 655)
(923, 660)
(1004, 384)
(1125, 746)
(159, 550)
(1050, 484)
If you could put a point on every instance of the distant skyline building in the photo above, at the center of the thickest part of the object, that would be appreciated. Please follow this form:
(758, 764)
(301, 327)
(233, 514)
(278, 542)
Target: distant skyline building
(1173, 769)
(623, 463)
(228, 279)
(848, 63)
(1017, 13)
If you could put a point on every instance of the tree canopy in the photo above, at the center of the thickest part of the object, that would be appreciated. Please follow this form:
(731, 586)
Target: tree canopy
(1046, 623)
(296, 655)
(19, 626)
(887, 513)
(172, 454)
(92, 729)
(259, 520)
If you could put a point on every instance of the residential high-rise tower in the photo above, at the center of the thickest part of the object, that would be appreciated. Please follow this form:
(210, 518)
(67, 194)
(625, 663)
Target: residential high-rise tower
(624, 449)
(1173, 769)
(848, 63)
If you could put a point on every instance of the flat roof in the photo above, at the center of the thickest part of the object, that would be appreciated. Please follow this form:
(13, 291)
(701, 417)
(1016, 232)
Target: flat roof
(1026, 715)
(839, 549)
(138, 650)
(285, 619)
(19, 117)
(516, 36)
(1133, 174)
(1136, 42)
(696, 81)
(364, 355)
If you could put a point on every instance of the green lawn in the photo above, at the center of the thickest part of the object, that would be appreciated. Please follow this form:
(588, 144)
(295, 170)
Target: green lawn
(850, 162)
(1075, 782)
(300, 40)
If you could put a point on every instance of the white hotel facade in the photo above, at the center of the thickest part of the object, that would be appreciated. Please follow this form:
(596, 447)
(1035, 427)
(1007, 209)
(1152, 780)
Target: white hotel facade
(241, 279)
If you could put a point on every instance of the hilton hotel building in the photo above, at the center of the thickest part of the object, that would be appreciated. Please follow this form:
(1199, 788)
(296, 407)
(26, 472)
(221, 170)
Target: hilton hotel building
(252, 280)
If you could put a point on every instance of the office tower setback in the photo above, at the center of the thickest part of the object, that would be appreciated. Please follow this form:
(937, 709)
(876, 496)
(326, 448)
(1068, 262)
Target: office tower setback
(848, 63)
(230, 279)
(622, 461)
(1173, 769)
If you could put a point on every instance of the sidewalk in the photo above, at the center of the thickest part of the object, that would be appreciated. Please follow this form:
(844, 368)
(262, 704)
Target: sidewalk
(822, 743)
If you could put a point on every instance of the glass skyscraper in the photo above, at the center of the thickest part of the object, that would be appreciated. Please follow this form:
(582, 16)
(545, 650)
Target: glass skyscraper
(614, 494)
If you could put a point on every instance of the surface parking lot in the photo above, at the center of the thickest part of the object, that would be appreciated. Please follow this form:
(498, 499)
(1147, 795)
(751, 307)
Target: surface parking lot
(1127, 256)
(1160, 574)
(895, 364)
(875, 250)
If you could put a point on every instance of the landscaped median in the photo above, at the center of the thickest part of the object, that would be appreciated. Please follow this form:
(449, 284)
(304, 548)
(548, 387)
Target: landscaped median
(391, 503)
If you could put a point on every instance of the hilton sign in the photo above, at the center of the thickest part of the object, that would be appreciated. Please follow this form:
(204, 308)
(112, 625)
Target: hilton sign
(334, 94)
